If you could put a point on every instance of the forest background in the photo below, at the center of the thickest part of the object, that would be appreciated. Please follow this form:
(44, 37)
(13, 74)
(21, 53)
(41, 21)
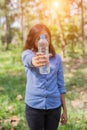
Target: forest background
(67, 21)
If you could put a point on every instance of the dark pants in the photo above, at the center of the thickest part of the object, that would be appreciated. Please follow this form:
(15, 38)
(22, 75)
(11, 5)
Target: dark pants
(39, 119)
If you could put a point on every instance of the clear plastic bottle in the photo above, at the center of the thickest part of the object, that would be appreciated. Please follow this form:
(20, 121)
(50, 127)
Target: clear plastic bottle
(43, 47)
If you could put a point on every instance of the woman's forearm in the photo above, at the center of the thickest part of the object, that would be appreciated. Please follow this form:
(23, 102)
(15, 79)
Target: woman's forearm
(63, 102)
(64, 114)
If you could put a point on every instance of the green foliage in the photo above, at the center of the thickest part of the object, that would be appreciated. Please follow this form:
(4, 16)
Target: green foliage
(12, 84)
(31, 12)
(12, 75)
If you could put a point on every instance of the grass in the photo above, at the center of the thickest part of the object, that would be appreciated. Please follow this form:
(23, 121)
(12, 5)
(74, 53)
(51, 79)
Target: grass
(12, 84)
(12, 91)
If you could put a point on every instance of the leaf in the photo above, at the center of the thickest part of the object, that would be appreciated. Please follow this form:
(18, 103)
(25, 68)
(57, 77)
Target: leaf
(14, 120)
(10, 108)
(19, 97)
(1, 89)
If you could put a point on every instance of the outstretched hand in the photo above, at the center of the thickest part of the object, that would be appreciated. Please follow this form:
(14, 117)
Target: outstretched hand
(40, 59)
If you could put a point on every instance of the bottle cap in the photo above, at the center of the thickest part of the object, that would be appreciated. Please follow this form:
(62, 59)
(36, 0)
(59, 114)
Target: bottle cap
(42, 36)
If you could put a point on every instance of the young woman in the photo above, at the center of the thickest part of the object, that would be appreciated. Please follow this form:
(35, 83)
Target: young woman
(44, 96)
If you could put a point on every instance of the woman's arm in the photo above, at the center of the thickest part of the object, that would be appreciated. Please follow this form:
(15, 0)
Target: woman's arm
(32, 59)
(62, 90)
(64, 114)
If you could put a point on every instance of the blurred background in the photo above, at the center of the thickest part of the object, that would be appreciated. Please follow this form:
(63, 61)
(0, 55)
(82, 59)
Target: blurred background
(67, 21)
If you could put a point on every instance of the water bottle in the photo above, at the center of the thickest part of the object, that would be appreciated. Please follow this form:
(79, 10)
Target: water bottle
(43, 48)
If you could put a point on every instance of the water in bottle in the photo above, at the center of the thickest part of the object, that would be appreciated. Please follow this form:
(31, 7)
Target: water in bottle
(44, 48)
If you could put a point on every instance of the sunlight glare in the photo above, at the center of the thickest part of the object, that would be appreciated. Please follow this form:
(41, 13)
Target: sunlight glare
(56, 4)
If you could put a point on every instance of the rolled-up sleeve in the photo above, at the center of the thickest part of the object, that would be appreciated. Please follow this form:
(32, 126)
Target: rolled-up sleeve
(27, 58)
(60, 78)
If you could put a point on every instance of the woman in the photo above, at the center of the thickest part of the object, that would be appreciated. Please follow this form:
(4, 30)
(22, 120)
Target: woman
(44, 92)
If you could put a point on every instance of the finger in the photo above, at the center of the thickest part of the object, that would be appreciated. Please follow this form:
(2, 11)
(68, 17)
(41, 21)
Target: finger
(42, 57)
(40, 64)
(48, 55)
(39, 53)
(63, 121)
(43, 60)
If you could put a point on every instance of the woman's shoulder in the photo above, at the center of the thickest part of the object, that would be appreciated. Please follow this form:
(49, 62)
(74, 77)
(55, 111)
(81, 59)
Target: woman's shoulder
(26, 52)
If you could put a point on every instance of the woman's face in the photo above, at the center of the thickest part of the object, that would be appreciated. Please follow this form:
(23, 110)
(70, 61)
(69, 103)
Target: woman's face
(47, 37)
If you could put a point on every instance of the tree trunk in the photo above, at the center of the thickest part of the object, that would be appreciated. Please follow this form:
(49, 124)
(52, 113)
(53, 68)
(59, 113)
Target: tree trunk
(22, 24)
(6, 33)
(63, 42)
(82, 28)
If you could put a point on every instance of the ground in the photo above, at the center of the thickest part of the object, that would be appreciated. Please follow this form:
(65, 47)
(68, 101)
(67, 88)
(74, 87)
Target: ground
(12, 91)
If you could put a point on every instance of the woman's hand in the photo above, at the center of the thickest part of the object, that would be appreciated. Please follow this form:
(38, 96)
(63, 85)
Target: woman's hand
(64, 114)
(40, 59)
(64, 118)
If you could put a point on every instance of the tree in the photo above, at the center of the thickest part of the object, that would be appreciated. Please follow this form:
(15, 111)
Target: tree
(7, 21)
(65, 16)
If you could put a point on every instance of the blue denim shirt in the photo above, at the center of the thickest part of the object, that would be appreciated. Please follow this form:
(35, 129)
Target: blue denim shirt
(43, 91)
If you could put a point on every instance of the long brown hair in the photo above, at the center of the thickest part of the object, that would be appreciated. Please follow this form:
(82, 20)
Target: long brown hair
(33, 34)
